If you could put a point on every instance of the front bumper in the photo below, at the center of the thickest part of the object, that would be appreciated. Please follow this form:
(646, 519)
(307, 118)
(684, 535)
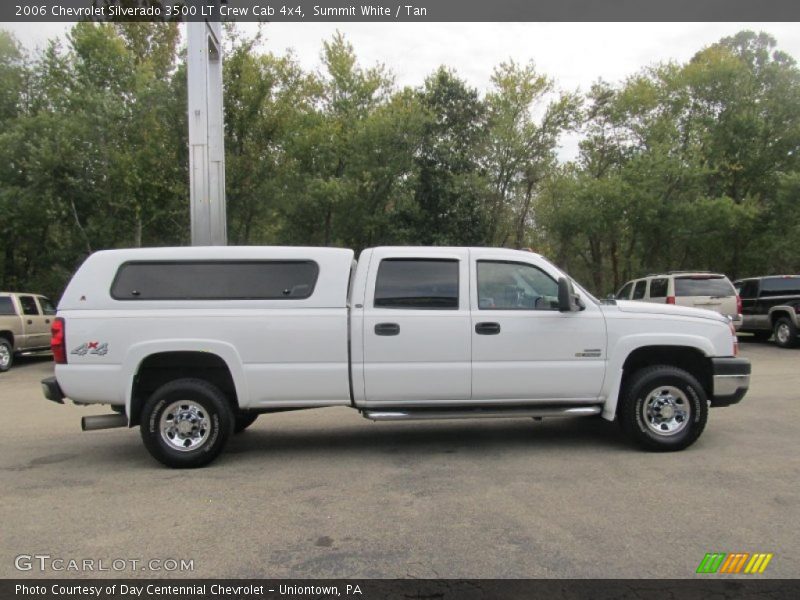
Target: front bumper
(731, 380)
(52, 391)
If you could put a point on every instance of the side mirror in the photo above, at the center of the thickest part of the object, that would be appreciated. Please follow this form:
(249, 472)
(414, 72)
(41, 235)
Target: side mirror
(568, 301)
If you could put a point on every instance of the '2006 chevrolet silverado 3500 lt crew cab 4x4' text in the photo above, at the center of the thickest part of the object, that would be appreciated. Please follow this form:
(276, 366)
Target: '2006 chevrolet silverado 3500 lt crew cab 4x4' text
(192, 344)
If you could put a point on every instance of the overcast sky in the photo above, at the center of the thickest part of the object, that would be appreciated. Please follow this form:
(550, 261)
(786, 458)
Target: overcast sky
(574, 54)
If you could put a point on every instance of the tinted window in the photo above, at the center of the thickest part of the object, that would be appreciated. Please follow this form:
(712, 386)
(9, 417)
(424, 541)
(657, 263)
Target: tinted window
(7, 306)
(748, 289)
(780, 286)
(625, 292)
(699, 285)
(417, 283)
(28, 304)
(515, 286)
(47, 306)
(658, 288)
(215, 280)
(638, 291)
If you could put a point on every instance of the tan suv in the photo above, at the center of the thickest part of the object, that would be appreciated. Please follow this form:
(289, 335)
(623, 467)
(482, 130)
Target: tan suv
(24, 325)
(711, 291)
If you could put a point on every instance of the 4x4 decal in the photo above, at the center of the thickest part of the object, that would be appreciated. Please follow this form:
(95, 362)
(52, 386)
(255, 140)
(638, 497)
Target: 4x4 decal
(91, 348)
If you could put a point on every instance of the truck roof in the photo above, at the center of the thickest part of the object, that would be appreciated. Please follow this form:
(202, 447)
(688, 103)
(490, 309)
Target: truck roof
(90, 287)
(511, 252)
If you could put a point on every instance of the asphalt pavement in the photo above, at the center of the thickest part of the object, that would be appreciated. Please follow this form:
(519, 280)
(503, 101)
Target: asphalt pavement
(326, 493)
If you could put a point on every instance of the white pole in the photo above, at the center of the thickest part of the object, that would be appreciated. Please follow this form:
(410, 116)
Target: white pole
(206, 134)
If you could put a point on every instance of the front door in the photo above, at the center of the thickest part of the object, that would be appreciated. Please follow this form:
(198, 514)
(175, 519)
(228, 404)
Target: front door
(523, 349)
(417, 328)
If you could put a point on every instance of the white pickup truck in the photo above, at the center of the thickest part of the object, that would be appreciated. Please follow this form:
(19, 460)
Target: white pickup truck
(192, 344)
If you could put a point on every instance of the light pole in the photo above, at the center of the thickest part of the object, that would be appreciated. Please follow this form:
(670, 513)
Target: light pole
(206, 134)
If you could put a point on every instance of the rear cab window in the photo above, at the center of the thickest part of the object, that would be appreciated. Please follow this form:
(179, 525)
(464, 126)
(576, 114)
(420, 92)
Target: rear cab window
(216, 280)
(412, 283)
(704, 285)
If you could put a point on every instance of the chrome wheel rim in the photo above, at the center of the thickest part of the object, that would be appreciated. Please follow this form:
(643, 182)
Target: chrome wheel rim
(666, 410)
(185, 425)
(782, 333)
(5, 356)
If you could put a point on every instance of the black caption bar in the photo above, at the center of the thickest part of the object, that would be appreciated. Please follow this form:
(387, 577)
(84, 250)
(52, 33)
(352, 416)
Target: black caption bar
(399, 589)
(401, 10)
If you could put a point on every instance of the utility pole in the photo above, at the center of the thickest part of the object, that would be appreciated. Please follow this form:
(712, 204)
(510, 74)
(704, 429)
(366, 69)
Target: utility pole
(206, 134)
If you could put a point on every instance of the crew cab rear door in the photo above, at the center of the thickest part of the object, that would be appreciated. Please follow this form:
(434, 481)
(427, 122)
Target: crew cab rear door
(416, 327)
(523, 349)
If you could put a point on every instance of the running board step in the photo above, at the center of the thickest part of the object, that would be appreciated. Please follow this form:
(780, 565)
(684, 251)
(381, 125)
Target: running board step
(481, 413)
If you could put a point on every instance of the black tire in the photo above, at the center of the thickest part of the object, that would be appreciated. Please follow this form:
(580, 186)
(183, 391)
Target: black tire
(206, 411)
(6, 355)
(785, 333)
(642, 401)
(243, 420)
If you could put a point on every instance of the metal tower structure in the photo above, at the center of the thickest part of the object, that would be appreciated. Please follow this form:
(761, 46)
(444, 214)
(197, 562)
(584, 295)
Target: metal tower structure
(206, 134)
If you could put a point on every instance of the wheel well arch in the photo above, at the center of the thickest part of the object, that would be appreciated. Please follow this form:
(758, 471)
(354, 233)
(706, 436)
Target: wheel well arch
(777, 313)
(690, 359)
(162, 367)
(9, 336)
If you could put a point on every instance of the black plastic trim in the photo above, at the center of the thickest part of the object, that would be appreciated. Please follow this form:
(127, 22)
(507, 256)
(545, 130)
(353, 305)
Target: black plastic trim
(52, 391)
(718, 401)
(731, 366)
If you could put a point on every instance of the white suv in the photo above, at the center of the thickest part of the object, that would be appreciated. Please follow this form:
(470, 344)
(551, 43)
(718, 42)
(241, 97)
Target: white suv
(711, 291)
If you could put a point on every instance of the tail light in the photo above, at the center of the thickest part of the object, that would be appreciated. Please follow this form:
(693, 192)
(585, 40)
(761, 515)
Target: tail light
(738, 304)
(735, 339)
(670, 299)
(58, 342)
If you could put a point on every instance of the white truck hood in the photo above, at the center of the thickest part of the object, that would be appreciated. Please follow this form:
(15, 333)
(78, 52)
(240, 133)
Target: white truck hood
(652, 308)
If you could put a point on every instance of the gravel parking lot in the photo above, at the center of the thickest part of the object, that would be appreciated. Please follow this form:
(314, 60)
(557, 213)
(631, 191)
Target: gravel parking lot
(325, 493)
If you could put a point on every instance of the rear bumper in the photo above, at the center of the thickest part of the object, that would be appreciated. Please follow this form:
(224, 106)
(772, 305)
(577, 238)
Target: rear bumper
(731, 380)
(52, 391)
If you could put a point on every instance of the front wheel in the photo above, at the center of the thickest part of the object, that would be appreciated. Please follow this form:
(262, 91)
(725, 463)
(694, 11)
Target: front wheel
(663, 408)
(6, 355)
(186, 423)
(785, 333)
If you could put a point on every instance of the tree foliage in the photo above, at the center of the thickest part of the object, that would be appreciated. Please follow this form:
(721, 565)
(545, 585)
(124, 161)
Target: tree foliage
(681, 166)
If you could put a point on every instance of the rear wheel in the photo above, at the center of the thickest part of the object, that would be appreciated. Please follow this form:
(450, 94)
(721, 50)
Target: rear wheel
(6, 355)
(663, 408)
(243, 420)
(186, 423)
(785, 333)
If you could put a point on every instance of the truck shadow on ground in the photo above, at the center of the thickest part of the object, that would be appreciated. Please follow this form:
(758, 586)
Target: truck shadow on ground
(32, 359)
(477, 437)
